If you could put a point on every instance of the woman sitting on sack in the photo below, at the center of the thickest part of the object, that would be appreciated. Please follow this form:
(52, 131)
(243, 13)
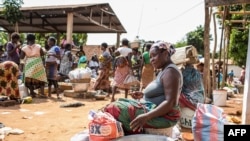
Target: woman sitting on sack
(159, 107)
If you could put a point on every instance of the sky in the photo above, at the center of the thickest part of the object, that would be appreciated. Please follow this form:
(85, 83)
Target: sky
(149, 19)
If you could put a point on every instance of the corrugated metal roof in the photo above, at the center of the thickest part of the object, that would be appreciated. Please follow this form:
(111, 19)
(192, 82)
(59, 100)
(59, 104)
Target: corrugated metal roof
(88, 18)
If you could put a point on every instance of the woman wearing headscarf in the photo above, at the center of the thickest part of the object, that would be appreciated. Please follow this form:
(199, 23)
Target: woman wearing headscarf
(82, 62)
(158, 105)
(34, 71)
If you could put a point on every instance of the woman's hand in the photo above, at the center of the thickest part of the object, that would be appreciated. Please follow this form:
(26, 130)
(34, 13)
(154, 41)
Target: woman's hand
(138, 122)
(136, 94)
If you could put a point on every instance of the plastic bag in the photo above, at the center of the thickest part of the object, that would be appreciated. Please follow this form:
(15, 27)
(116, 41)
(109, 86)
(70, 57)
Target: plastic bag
(131, 80)
(104, 127)
(80, 73)
(208, 123)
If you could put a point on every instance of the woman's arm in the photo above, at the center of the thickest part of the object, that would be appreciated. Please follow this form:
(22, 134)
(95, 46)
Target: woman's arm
(11, 51)
(22, 54)
(42, 53)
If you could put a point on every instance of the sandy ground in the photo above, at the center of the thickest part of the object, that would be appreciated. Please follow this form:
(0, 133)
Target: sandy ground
(45, 120)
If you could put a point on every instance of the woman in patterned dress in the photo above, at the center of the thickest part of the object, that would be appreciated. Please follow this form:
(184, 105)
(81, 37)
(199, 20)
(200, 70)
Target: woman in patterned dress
(66, 61)
(121, 69)
(34, 71)
(147, 75)
(8, 79)
(102, 81)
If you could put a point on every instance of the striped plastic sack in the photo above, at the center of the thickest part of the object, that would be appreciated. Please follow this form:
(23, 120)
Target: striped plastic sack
(208, 123)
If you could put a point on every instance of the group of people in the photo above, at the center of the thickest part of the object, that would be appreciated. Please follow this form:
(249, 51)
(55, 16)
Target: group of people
(121, 62)
(155, 105)
(34, 65)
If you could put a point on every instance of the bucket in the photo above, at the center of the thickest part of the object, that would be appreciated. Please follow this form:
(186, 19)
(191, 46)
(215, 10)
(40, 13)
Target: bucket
(219, 97)
(23, 90)
(187, 115)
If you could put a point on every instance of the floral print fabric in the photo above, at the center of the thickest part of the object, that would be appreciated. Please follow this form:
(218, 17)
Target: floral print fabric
(8, 79)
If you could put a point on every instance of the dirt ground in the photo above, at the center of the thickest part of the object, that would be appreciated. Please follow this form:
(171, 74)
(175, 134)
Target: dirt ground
(45, 120)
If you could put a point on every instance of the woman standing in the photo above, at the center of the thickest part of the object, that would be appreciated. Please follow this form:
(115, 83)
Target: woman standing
(66, 61)
(102, 81)
(136, 62)
(13, 48)
(147, 68)
(34, 72)
(51, 65)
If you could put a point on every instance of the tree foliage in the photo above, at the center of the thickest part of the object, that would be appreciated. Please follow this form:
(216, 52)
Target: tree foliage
(196, 38)
(11, 10)
(3, 38)
(238, 46)
(181, 43)
(238, 37)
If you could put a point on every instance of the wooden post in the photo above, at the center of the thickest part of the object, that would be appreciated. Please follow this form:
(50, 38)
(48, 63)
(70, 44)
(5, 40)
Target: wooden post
(246, 97)
(213, 54)
(206, 75)
(58, 39)
(118, 35)
(69, 27)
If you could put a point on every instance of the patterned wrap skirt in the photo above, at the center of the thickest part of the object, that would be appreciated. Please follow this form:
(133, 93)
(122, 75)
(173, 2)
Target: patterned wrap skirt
(51, 70)
(34, 72)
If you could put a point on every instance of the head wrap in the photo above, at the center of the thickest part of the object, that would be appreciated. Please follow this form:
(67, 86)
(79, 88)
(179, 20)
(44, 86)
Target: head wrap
(165, 45)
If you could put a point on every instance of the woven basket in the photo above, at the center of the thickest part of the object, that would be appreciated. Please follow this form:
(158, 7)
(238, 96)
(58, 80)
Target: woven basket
(85, 80)
(163, 131)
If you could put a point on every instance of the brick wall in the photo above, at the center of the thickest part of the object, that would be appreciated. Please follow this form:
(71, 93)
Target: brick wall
(90, 50)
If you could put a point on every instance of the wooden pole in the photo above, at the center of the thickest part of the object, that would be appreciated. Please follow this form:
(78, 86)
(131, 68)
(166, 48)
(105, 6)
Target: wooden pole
(118, 35)
(206, 75)
(213, 54)
(246, 96)
(221, 40)
(69, 27)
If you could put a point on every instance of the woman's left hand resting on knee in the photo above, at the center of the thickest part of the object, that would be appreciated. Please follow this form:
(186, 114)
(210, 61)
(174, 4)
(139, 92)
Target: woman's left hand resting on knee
(138, 122)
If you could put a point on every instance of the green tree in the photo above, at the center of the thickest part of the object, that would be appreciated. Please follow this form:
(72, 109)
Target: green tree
(238, 46)
(196, 38)
(3, 38)
(181, 43)
(239, 37)
(12, 12)
(80, 38)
